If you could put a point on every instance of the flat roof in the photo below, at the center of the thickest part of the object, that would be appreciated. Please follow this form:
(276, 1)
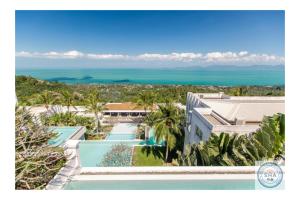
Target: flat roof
(124, 107)
(246, 110)
(250, 109)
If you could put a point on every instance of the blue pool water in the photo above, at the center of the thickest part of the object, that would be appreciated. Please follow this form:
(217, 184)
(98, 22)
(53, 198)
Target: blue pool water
(63, 134)
(92, 152)
(130, 136)
(162, 185)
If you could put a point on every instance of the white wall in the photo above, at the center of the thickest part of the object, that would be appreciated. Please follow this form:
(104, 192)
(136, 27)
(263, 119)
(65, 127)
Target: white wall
(199, 122)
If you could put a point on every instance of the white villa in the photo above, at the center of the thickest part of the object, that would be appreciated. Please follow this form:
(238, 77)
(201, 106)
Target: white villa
(217, 112)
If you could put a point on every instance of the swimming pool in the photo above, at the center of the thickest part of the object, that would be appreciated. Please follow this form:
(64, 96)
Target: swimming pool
(63, 134)
(92, 152)
(161, 185)
(121, 136)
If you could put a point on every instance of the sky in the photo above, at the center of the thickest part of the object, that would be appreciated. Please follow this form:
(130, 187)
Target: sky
(148, 38)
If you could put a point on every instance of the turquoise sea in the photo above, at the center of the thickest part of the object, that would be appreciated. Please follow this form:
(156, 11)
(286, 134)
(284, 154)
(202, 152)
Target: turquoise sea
(219, 76)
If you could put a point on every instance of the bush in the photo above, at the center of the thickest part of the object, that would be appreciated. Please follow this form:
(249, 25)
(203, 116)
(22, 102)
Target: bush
(119, 156)
(68, 119)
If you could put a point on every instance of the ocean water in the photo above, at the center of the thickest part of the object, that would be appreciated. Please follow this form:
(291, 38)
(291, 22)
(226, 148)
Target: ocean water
(218, 76)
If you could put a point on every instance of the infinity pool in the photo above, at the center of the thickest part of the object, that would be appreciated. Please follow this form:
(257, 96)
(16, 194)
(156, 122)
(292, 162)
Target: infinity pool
(161, 185)
(63, 134)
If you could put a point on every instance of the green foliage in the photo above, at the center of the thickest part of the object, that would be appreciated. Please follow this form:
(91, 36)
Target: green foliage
(119, 156)
(225, 149)
(27, 87)
(68, 119)
(68, 99)
(36, 163)
(93, 106)
(146, 100)
(166, 121)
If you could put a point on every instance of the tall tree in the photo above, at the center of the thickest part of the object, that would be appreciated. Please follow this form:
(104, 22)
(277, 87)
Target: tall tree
(93, 105)
(48, 98)
(166, 123)
(68, 99)
(146, 100)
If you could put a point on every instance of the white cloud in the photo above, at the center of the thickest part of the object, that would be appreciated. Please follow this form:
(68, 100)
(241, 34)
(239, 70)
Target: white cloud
(242, 57)
(170, 57)
(106, 56)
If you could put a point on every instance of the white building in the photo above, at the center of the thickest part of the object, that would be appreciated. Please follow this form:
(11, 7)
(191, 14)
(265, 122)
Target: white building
(217, 112)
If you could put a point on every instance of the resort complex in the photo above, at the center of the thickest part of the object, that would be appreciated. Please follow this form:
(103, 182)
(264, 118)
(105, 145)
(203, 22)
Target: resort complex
(217, 113)
(102, 145)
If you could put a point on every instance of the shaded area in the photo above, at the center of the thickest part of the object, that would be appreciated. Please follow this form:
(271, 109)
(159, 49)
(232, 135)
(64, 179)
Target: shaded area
(148, 156)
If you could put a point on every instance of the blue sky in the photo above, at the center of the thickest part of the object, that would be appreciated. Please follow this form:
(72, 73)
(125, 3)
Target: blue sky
(148, 38)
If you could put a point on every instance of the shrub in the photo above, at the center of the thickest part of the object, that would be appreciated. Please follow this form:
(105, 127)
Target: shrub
(119, 156)
(68, 119)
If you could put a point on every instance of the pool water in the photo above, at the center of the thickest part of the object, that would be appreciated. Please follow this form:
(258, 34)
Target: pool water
(63, 134)
(152, 140)
(120, 137)
(161, 185)
(92, 152)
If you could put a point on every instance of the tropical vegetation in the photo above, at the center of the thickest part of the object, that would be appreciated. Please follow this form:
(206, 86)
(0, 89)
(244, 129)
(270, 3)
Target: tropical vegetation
(267, 143)
(27, 88)
(68, 119)
(94, 106)
(168, 122)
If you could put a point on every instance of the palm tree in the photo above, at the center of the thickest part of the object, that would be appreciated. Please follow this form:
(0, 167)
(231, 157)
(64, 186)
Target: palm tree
(48, 98)
(167, 125)
(69, 98)
(146, 100)
(93, 105)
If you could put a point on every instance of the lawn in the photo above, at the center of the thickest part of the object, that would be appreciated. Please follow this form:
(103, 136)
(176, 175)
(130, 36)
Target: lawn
(148, 156)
